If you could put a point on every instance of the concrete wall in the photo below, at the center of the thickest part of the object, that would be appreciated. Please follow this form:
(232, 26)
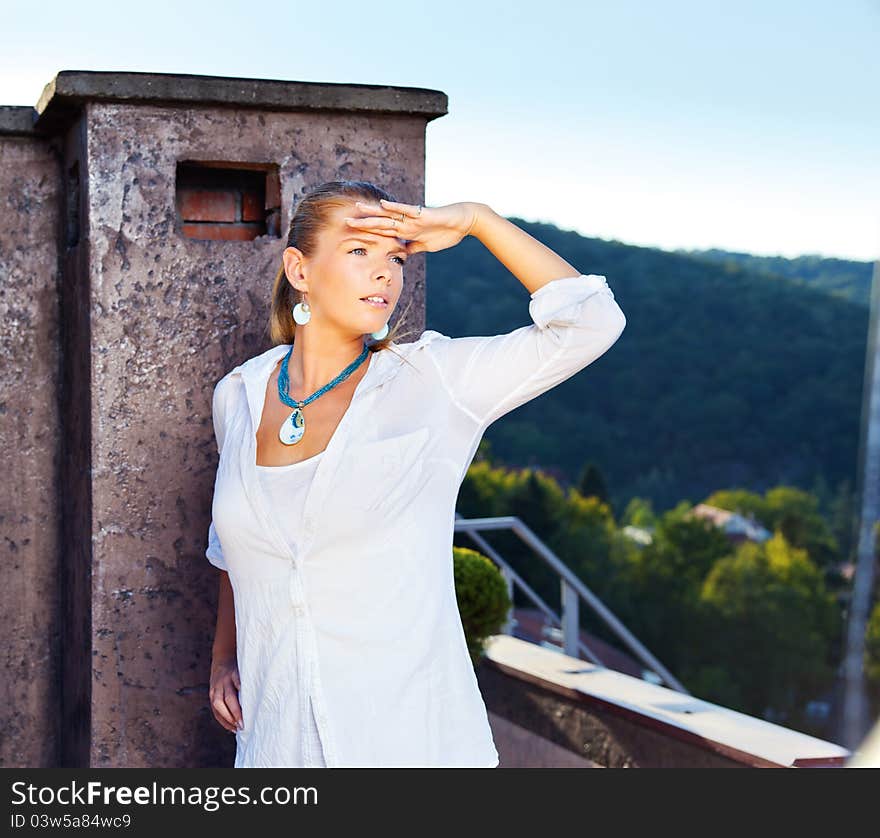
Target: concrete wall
(30, 596)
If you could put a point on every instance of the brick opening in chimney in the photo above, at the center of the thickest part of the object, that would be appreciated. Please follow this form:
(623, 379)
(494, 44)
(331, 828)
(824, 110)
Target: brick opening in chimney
(228, 201)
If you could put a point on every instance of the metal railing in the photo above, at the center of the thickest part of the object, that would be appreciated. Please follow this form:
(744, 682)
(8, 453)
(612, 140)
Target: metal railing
(572, 591)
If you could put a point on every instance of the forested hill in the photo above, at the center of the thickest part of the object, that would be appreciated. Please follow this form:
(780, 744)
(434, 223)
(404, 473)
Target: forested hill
(840, 277)
(725, 376)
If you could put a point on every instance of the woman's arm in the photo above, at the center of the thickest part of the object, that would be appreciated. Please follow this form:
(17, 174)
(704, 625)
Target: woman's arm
(224, 633)
(575, 317)
(225, 682)
(224, 641)
(531, 262)
(575, 320)
(224, 679)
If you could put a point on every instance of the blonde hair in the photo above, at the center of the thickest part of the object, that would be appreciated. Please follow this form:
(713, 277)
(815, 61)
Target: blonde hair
(310, 218)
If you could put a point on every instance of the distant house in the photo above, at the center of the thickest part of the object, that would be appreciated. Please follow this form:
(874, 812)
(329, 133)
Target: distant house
(735, 526)
(641, 535)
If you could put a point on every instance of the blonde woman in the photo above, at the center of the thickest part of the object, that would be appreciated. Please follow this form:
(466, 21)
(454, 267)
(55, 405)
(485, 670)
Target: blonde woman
(338, 639)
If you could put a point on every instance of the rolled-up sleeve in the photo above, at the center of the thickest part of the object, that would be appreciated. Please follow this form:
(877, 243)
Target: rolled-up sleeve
(214, 552)
(575, 320)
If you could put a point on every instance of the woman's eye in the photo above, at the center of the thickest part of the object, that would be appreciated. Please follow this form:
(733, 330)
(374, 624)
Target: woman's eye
(400, 259)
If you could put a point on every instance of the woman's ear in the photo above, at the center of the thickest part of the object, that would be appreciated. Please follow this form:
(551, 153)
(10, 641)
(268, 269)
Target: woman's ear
(292, 259)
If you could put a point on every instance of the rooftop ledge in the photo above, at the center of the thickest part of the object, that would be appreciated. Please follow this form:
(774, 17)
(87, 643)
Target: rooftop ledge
(69, 89)
(615, 720)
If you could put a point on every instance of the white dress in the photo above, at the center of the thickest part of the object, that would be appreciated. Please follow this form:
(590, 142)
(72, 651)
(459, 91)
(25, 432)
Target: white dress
(350, 620)
(286, 488)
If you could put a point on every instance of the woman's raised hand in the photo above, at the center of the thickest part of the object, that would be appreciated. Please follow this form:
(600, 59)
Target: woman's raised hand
(223, 692)
(435, 228)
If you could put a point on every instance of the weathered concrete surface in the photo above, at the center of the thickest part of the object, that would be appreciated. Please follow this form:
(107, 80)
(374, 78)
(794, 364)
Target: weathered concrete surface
(30, 188)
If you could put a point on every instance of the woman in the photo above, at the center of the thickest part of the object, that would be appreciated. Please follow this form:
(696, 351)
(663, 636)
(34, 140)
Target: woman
(338, 638)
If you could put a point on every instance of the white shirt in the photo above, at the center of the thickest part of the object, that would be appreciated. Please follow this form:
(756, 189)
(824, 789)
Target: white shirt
(361, 612)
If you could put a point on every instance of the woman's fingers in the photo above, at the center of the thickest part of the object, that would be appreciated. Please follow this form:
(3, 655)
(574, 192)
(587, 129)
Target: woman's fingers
(382, 225)
(395, 206)
(226, 708)
(222, 714)
(381, 222)
(234, 707)
(392, 219)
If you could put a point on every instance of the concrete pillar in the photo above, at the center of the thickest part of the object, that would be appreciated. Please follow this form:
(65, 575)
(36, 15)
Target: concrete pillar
(30, 441)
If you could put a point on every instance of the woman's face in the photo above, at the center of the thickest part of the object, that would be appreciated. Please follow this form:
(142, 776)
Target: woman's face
(350, 264)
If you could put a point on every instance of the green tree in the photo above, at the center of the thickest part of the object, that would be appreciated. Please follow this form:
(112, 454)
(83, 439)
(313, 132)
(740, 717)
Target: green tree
(536, 500)
(657, 591)
(584, 537)
(872, 646)
(842, 514)
(639, 512)
(872, 658)
(796, 514)
(775, 626)
(592, 483)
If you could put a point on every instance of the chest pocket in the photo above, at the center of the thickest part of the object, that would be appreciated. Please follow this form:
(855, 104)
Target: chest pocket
(381, 476)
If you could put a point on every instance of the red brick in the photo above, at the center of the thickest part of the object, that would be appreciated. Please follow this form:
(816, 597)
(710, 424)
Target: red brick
(206, 205)
(223, 232)
(252, 207)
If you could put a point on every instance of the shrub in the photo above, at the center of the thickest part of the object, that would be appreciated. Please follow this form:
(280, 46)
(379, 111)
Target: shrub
(483, 601)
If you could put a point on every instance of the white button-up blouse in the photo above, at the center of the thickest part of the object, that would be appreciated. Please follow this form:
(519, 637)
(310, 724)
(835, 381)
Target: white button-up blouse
(356, 628)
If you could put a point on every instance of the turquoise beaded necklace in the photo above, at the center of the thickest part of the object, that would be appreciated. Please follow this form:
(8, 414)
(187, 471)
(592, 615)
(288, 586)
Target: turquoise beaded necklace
(295, 425)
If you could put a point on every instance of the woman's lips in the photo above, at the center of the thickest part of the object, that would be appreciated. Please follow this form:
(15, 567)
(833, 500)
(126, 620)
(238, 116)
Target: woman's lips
(374, 304)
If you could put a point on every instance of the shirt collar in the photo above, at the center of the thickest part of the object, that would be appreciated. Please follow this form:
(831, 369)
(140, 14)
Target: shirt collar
(384, 366)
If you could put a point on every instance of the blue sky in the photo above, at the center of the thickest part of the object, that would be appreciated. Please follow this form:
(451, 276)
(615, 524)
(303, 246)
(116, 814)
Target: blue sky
(749, 126)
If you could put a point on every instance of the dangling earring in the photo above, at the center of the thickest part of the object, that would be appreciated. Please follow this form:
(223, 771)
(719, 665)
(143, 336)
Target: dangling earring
(301, 313)
(381, 333)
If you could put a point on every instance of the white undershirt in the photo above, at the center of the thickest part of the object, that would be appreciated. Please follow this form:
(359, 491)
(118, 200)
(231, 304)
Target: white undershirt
(286, 488)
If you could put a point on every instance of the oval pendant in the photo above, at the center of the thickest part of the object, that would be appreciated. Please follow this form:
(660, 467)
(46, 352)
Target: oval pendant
(293, 428)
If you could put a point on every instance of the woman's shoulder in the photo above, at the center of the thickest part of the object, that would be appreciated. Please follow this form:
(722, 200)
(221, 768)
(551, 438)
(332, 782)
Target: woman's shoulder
(426, 338)
(409, 353)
